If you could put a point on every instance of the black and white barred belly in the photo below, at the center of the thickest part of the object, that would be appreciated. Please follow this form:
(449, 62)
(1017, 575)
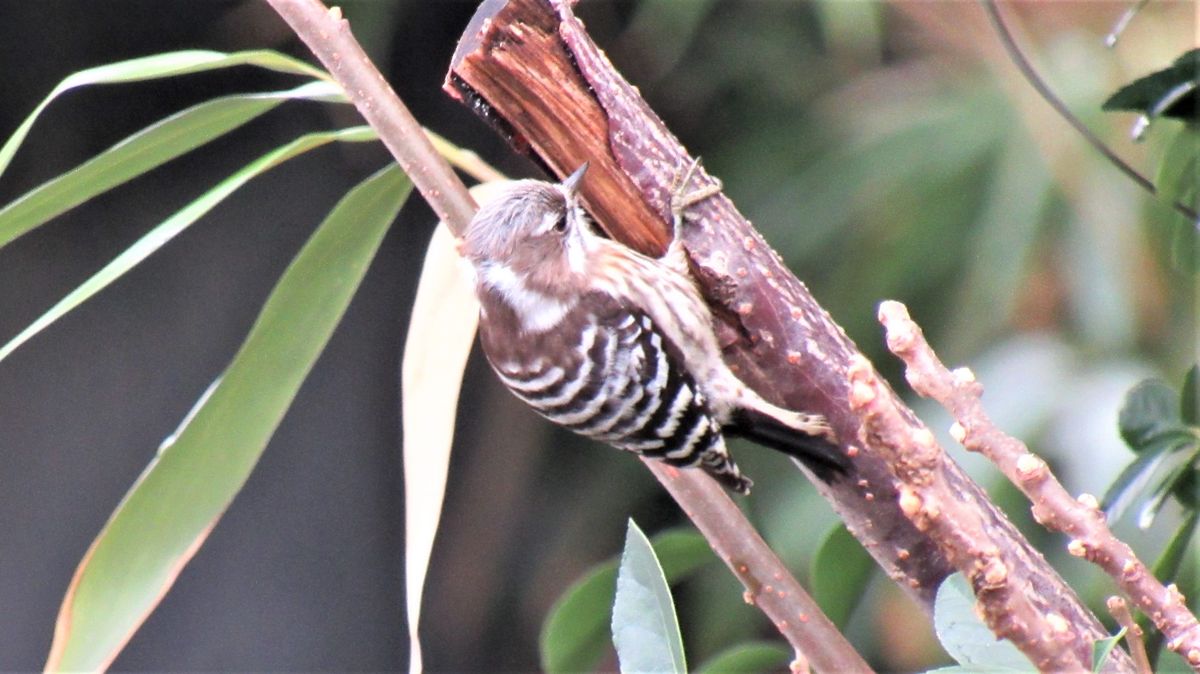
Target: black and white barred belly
(614, 379)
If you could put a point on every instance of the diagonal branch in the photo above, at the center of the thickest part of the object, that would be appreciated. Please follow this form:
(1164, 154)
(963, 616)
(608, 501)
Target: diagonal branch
(769, 584)
(1081, 519)
(328, 35)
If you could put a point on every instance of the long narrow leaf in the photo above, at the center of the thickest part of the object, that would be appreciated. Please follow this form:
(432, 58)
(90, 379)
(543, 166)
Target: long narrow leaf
(182, 493)
(153, 67)
(181, 220)
(440, 335)
(145, 150)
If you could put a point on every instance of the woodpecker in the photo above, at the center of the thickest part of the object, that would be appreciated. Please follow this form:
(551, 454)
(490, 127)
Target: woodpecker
(616, 345)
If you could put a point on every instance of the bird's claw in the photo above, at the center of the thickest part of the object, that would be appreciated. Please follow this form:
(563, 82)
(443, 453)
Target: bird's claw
(683, 198)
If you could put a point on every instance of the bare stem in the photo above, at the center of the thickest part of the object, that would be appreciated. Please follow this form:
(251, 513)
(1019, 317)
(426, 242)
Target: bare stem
(1031, 75)
(1041, 627)
(1118, 607)
(328, 35)
(769, 584)
(1081, 519)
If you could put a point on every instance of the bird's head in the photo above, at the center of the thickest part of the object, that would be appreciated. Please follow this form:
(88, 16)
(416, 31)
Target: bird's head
(535, 230)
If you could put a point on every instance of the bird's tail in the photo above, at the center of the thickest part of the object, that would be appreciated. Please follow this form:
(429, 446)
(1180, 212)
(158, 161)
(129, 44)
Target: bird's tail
(822, 456)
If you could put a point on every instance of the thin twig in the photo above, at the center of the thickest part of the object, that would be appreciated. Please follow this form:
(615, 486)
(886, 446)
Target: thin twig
(1031, 75)
(328, 35)
(1119, 608)
(769, 584)
(1110, 40)
(1053, 507)
(1045, 635)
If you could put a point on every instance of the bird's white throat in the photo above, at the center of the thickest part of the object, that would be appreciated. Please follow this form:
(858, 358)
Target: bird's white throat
(537, 311)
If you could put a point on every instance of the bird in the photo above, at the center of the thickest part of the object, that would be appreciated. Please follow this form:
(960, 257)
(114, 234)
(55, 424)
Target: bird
(616, 345)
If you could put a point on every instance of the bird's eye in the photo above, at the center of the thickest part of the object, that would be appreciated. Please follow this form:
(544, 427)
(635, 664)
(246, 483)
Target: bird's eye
(560, 225)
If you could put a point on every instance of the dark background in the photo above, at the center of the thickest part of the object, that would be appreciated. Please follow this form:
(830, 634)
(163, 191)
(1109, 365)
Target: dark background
(881, 148)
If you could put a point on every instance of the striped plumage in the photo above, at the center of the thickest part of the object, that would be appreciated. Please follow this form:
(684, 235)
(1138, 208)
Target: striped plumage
(615, 345)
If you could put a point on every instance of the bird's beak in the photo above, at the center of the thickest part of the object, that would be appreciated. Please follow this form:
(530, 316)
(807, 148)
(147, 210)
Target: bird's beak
(571, 182)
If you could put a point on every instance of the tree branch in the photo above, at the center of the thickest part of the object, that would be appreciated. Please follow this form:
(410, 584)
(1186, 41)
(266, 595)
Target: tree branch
(328, 35)
(1119, 609)
(1081, 519)
(533, 71)
(769, 584)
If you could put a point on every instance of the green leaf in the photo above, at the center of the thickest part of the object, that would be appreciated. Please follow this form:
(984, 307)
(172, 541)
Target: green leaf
(644, 625)
(748, 658)
(181, 220)
(1132, 480)
(841, 570)
(158, 66)
(1151, 410)
(963, 634)
(1189, 399)
(575, 634)
(1166, 89)
(1179, 468)
(1178, 171)
(143, 151)
(1185, 244)
(1102, 648)
(184, 490)
(1166, 567)
(1187, 489)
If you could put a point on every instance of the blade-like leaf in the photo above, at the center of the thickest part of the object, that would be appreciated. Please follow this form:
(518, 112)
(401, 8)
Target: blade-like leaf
(1158, 92)
(1122, 492)
(750, 658)
(841, 570)
(1102, 648)
(575, 634)
(963, 634)
(180, 496)
(440, 335)
(153, 67)
(644, 625)
(181, 220)
(1189, 398)
(143, 151)
(1166, 567)
(1179, 464)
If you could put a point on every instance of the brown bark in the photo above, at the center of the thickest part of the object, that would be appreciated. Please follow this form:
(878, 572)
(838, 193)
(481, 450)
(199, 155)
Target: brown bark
(1079, 518)
(530, 68)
